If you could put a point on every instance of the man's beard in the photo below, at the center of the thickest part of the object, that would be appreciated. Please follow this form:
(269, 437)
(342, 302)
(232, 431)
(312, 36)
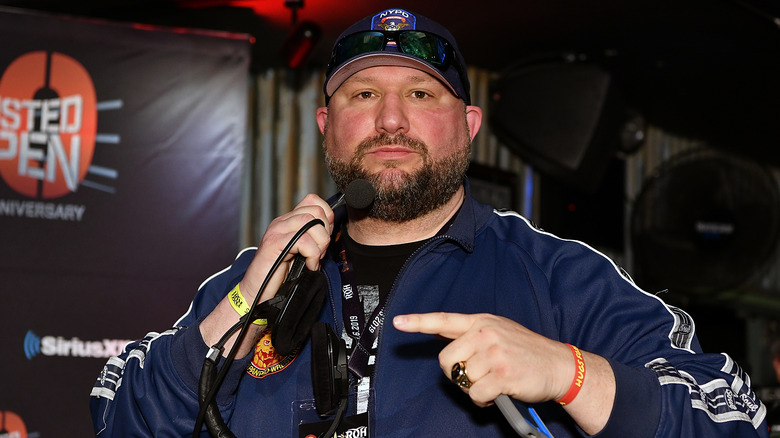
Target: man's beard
(403, 196)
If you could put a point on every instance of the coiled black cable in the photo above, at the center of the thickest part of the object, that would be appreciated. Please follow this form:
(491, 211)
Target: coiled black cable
(210, 384)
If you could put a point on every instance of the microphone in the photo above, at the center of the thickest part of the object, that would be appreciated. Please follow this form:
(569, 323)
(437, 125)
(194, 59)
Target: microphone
(359, 194)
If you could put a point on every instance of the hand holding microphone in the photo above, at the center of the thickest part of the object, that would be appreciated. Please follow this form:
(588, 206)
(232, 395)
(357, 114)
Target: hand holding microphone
(294, 308)
(296, 304)
(359, 194)
(312, 244)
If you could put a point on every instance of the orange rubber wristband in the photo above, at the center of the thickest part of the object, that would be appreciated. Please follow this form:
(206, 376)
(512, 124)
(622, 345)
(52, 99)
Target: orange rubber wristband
(579, 377)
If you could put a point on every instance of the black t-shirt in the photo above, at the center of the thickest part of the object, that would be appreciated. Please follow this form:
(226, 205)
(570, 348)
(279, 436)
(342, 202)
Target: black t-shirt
(376, 268)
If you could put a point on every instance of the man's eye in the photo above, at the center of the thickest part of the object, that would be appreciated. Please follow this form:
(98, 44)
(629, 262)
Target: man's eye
(420, 94)
(365, 94)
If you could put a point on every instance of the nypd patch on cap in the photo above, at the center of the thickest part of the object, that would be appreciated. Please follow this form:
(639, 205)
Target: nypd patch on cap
(393, 20)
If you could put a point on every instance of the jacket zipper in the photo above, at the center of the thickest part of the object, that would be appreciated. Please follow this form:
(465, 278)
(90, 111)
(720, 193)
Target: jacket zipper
(426, 247)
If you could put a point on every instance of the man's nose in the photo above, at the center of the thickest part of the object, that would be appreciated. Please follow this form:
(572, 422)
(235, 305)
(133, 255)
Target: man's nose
(392, 116)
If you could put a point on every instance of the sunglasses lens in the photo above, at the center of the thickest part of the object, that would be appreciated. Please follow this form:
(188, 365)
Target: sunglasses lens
(425, 46)
(356, 44)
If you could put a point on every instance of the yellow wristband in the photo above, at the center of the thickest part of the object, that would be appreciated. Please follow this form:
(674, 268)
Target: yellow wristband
(239, 303)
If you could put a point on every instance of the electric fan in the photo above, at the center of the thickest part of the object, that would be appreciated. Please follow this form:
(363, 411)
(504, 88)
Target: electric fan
(704, 223)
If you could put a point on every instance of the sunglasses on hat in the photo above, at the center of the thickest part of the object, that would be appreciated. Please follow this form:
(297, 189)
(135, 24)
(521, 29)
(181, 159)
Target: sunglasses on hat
(426, 46)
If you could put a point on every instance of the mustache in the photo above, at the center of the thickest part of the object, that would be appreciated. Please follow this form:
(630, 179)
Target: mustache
(387, 139)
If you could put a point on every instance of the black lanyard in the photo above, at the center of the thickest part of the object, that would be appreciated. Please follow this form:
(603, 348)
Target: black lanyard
(364, 335)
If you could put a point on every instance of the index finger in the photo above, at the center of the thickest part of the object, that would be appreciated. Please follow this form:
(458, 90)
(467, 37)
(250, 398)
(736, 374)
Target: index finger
(448, 325)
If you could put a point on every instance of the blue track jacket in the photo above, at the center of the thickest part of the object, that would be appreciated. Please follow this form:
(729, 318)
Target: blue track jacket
(489, 261)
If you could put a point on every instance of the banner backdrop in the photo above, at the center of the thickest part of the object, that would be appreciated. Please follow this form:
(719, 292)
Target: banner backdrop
(121, 150)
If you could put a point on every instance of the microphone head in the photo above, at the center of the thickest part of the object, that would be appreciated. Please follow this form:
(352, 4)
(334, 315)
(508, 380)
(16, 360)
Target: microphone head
(359, 194)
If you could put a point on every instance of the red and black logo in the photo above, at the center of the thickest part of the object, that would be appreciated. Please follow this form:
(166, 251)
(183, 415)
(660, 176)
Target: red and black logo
(11, 425)
(48, 124)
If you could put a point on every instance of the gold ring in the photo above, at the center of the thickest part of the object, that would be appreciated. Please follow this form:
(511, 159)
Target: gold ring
(459, 375)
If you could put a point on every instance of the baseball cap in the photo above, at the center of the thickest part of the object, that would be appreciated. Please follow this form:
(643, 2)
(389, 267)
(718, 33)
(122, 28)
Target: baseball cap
(397, 37)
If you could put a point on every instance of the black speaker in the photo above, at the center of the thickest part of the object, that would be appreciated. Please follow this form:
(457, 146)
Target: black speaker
(561, 117)
(595, 218)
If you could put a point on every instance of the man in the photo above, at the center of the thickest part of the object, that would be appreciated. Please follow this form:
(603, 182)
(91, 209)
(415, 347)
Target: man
(545, 321)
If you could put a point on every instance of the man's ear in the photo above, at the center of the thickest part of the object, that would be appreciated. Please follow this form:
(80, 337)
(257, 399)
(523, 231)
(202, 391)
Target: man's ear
(322, 118)
(473, 119)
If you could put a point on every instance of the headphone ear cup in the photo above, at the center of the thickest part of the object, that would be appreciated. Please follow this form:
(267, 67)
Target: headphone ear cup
(305, 297)
(321, 366)
(328, 368)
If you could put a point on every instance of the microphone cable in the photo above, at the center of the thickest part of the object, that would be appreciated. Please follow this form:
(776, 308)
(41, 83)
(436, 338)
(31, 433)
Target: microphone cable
(336, 420)
(358, 194)
(244, 322)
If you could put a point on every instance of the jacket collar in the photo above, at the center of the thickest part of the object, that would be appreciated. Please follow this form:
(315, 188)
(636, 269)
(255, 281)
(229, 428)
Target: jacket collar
(471, 216)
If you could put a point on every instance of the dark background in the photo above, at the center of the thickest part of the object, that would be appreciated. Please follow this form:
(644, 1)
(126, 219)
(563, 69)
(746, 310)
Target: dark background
(703, 68)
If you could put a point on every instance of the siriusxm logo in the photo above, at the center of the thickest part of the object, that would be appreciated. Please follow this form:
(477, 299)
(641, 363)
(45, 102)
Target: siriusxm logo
(32, 345)
(73, 347)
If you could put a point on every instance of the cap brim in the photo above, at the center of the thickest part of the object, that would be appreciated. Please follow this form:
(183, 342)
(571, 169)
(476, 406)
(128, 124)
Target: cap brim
(378, 59)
